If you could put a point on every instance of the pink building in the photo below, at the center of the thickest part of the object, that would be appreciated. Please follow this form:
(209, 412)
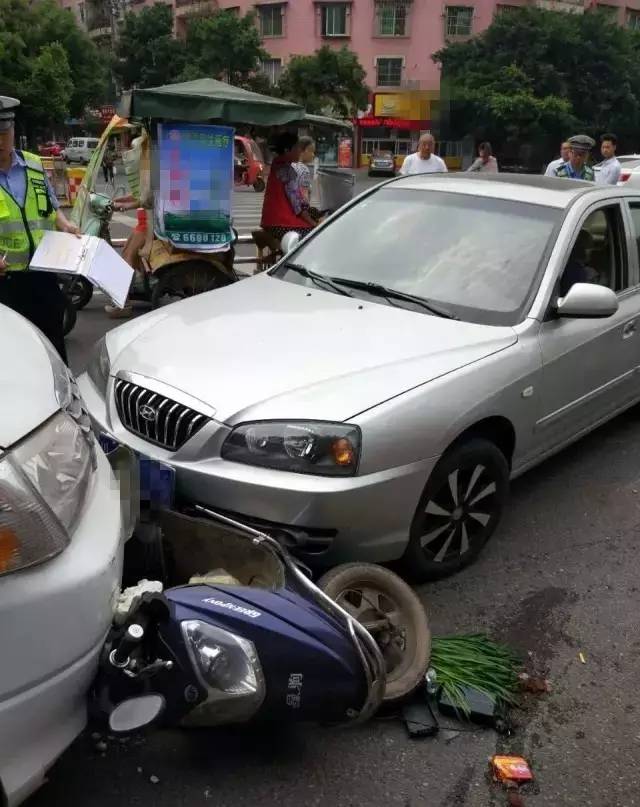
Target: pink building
(394, 40)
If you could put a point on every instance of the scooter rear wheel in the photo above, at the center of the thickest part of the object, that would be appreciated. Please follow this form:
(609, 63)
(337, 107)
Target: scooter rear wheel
(186, 279)
(392, 613)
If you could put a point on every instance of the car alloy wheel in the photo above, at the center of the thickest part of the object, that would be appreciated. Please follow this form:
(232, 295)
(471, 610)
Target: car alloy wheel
(459, 509)
(457, 514)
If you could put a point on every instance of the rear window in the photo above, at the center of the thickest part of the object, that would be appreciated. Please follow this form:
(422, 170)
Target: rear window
(92, 143)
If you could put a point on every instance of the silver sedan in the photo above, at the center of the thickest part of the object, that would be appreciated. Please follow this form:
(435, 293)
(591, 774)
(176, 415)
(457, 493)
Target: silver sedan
(370, 397)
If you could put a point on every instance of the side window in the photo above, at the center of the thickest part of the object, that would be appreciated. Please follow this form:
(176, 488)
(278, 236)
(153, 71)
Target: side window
(635, 215)
(598, 254)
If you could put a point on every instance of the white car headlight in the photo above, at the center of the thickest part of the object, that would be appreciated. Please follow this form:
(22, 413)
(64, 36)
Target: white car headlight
(43, 485)
(100, 366)
(304, 447)
(229, 669)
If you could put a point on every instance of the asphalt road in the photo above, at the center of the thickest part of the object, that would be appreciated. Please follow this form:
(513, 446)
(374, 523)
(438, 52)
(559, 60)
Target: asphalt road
(560, 577)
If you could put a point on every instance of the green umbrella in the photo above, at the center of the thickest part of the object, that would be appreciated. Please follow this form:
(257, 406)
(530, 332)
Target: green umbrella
(207, 100)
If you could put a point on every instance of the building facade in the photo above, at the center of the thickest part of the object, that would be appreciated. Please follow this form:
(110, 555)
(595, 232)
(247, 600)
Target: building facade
(394, 40)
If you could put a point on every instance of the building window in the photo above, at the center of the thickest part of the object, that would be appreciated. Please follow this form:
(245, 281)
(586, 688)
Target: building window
(272, 69)
(391, 18)
(504, 8)
(633, 20)
(334, 20)
(458, 20)
(81, 11)
(270, 19)
(389, 72)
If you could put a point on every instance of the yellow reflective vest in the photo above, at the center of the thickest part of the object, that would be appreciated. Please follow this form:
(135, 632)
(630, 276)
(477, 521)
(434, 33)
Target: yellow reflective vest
(22, 228)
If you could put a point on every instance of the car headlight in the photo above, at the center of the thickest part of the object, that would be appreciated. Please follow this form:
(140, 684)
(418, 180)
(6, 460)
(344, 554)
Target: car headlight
(66, 389)
(304, 447)
(43, 485)
(100, 366)
(228, 668)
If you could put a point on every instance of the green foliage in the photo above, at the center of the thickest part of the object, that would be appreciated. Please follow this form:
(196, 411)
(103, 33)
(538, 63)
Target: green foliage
(225, 46)
(327, 82)
(47, 62)
(147, 55)
(535, 72)
(50, 79)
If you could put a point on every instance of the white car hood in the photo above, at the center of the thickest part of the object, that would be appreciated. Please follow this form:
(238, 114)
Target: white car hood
(265, 348)
(27, 392)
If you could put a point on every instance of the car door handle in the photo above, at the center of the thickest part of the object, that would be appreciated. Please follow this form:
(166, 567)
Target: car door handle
(629, 329)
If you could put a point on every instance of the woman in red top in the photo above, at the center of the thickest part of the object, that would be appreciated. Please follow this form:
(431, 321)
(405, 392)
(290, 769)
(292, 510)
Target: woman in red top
(285, 206)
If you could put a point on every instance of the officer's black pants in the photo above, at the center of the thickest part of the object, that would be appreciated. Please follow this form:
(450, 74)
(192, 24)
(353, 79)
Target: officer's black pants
(37, 296)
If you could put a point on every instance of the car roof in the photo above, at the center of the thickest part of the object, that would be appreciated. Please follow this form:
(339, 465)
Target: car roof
(529, 188)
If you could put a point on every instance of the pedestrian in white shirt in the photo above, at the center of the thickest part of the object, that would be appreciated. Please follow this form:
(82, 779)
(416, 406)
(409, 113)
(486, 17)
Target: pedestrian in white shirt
(424, 161)
(486, 162)
(565, 155)
(608, 171)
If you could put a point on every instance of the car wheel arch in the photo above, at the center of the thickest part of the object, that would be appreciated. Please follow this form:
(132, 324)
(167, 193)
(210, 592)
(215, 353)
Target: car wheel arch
(497, 429)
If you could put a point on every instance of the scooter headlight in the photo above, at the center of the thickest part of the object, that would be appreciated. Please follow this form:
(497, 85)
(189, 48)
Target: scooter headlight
(229, 668)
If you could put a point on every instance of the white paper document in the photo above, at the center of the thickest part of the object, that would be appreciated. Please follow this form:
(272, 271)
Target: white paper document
(89, 256)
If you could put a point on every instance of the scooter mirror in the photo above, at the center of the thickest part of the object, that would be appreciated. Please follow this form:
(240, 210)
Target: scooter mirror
(134, 714)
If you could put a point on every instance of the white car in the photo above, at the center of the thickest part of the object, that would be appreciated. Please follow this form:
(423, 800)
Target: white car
(61, 547)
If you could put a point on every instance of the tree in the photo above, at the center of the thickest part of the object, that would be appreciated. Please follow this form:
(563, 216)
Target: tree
(330, 82)
(47, 62)
(50, 78)
(147, 54)
(535, 72)
(225, 46)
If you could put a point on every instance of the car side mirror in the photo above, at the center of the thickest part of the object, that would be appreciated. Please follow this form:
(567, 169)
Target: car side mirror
(289, 242)
(587, 300)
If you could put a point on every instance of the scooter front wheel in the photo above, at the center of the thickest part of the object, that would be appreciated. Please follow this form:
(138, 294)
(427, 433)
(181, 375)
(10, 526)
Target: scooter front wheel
(392, 613)
(258, 185)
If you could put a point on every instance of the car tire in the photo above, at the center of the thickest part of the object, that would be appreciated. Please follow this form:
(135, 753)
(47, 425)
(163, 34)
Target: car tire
(407, 647)
(446, 534)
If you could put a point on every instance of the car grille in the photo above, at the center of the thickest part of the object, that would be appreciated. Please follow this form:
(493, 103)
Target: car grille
(155, 417)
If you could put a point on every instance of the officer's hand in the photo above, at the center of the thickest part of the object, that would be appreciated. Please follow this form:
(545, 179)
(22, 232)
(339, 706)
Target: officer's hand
(65, 226)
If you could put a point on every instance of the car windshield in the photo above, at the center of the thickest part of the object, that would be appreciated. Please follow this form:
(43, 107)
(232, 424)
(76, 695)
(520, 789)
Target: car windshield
(477, 257)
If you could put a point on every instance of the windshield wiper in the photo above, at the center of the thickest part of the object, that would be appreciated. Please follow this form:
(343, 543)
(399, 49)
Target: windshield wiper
(378, 290)
(317, 278)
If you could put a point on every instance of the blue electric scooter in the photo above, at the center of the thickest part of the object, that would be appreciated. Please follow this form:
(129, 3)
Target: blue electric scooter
(253, 639)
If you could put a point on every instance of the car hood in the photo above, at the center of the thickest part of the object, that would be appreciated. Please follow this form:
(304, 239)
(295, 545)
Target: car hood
(265, 348)
(26, 379)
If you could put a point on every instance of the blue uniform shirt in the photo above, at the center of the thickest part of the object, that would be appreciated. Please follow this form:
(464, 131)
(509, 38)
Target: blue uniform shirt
(15, 181)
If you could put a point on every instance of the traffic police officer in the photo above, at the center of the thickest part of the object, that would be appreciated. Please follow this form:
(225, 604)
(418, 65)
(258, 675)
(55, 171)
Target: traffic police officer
(28, 208)
(576, 167)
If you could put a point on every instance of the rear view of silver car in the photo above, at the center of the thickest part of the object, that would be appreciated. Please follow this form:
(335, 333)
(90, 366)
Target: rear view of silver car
(435, 338)
(382, 164)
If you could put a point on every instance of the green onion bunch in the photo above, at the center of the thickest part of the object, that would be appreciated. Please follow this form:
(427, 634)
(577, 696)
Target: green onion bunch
(474, 660)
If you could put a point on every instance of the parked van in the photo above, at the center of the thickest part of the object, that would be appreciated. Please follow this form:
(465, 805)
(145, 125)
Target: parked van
(80, 149)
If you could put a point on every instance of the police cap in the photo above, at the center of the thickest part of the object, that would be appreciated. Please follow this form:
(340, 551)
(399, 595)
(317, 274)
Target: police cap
(581, 142)
(7, 114)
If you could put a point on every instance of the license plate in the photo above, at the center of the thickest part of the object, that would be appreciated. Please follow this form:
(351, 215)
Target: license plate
(157, 480)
